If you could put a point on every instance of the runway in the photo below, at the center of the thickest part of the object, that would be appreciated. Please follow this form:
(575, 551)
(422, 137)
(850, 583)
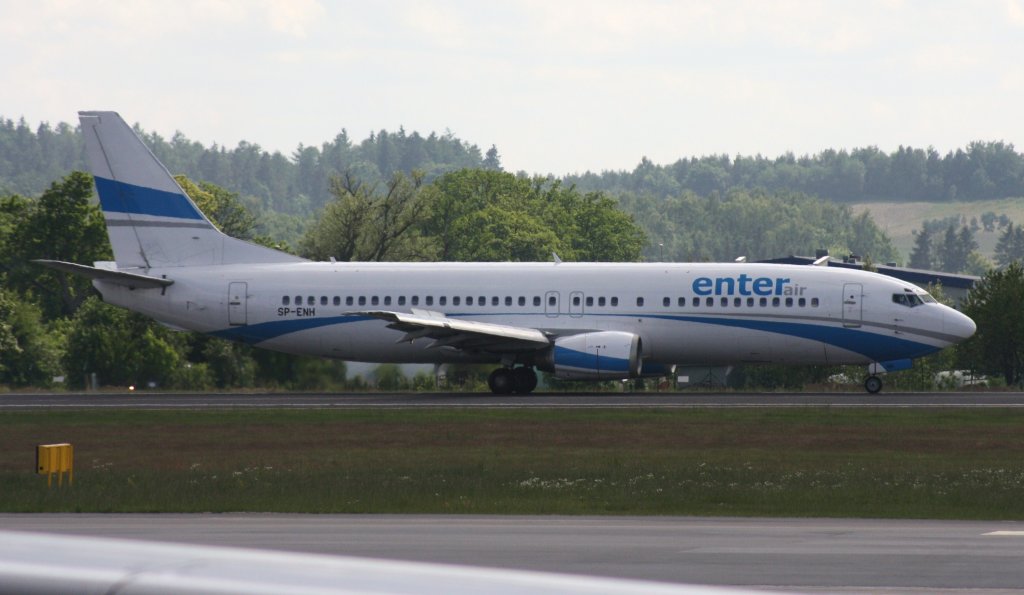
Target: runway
(148, 400)
(816, 555)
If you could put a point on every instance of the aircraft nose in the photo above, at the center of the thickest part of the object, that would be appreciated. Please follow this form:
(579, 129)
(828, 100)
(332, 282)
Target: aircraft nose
(958, 324)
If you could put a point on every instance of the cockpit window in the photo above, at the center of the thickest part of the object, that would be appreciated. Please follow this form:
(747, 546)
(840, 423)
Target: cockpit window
(909, 300)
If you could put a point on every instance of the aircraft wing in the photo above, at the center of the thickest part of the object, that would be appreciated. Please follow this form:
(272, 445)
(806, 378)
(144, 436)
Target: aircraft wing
(467, 335)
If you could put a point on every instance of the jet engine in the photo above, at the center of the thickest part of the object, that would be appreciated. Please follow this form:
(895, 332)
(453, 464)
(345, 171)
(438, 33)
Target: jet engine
(605, 355)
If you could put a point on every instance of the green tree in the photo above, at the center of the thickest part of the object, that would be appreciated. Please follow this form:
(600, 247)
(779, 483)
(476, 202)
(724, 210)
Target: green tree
(29, 355)
(367, 224)
(1010, 246)
(480, 215)
(62, 224)
(921, 257)
(221, 206)
(121, 347)
(995, 305)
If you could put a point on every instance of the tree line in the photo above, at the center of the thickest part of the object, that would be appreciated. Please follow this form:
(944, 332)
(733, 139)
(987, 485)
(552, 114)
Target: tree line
(299, 184)
(296, 184)
(983, 170)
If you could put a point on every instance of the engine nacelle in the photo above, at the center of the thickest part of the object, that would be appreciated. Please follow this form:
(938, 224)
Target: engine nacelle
(605, 355)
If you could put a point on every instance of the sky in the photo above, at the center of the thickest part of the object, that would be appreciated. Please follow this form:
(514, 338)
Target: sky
(558, 86)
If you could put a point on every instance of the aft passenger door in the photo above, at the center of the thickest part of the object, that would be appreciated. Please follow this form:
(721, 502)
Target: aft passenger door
(853, 311)
(237, 303)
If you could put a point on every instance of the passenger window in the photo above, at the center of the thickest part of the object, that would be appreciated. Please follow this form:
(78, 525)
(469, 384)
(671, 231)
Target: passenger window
(441, 301)
(590, 301)
(298, 300)
(536, 300)
(750, 302)
(775, 301)
(337, 301)
(374, 300)
(508, 300)
(481, 301)
(362, 300)
(802, 302)
(494, 300)
(600, 301)
(737, 302)
(285, 301)
(456, 300)
(724, 301)
(551, 300)
(710, 301)
(615, 302)
(575, 300)
(696, 302)
(789, 302)
(415, 300)
(323, 300)
(522, 301)
(401, 300)
(348, 300)
(682, 302)
(387, 300)
(814, 302)
(429, 300)
(469, 300)
(763, 302)
(310, 301)
(666, 302)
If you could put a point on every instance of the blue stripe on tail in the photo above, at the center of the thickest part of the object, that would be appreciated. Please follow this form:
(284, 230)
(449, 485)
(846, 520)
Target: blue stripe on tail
(121, 197)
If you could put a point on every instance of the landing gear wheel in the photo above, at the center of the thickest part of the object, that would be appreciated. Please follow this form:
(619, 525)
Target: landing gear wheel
(873, 384)
(524, 380)
(501, 381)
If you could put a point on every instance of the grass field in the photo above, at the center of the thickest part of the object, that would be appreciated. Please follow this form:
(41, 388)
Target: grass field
(965, 464)
(900, 219)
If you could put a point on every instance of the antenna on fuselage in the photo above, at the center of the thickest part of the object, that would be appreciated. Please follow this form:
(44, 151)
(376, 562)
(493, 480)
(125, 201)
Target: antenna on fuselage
(822, 261)
(741, 259)
(557, 259)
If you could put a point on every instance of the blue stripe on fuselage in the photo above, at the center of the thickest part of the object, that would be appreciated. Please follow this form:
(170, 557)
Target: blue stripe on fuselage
(121, 197)
(876, 346)
(265, 331)
(873, 345)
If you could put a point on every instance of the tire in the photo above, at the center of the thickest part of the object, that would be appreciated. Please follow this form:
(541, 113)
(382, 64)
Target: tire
(524, 380)
(873, 384)
(501, 381)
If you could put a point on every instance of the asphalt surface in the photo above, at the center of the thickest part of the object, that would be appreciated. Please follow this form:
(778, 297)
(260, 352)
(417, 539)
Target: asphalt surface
(818, 555)
(149, 400)
(809, 555)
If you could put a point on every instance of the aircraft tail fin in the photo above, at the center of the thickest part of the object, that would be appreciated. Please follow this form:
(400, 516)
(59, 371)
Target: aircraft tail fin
(150, 220)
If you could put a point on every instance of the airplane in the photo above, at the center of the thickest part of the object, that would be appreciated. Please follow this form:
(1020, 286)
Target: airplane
(584, 321)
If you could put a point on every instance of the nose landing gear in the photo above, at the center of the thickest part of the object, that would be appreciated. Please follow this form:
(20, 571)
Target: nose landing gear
(520, 380)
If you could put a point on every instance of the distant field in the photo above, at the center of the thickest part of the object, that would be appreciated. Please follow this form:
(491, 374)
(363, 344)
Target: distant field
(913, 463)
(900, 219)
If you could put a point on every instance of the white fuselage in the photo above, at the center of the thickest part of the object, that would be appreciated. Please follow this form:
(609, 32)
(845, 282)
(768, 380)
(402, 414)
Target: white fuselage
(685, 313)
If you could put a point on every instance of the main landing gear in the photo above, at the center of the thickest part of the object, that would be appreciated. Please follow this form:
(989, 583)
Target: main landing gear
(873, 384)
(520, 380)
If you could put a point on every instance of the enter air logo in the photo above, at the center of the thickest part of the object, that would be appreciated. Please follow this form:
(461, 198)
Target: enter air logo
(746, 285)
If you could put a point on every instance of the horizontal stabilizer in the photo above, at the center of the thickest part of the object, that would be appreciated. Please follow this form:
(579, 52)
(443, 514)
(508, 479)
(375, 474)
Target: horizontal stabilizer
(132, 280)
